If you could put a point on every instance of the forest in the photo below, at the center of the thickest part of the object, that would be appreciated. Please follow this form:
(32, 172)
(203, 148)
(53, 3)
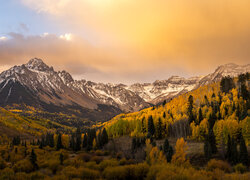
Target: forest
(202, 134)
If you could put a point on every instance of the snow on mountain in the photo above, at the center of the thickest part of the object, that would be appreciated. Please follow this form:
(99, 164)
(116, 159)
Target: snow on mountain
(36, 82)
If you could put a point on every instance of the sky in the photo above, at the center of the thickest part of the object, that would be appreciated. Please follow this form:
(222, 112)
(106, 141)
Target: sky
(126, 41)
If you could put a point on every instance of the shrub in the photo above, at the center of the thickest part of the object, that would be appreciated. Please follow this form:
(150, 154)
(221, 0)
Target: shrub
(138, 171)
(86, 173)
(2, 163)
(7, 173)
(119, 155)
(99, 153)
(84, 156)
(218, 164)
(70, 172)
(115, 173)
(108, 163)
(23, 166)
(123, 161)
(97, 159)
(240, 168)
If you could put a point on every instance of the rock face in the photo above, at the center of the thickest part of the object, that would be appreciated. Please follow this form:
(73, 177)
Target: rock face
(36, 84)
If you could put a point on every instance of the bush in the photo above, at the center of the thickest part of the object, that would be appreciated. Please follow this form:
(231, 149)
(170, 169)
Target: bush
(96, 159)
(70, 172)
(84, 156)
(108, 163)
(86, 173)
(123, 161)
(131, 172)
(2, 163)
(115, 173)
(240, 168)
(23, 166)
(218, 164)
(119, 155)
(99, 153)
(7, 173)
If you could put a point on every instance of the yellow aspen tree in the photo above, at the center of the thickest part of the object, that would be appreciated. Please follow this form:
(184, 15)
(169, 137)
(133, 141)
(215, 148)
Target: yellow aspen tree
(179, 158)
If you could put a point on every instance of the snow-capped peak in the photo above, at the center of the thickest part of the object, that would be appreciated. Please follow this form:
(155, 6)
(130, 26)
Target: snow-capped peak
(38, 65)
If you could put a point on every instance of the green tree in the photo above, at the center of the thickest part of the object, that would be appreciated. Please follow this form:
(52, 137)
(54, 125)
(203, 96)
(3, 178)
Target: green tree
(78, 140)
(61, 158)
(200, 116)
(190, 113)
(33, 160)
(168, 150)
(243, 156)
(59, 142)
(151, 127)
(159, 129)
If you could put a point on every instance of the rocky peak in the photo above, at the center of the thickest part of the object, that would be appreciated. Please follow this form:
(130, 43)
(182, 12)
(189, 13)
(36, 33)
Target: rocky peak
(38, 65)
(65, 76)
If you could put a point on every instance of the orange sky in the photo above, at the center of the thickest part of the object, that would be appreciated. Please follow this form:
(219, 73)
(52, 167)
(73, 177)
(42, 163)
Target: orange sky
(136, 40)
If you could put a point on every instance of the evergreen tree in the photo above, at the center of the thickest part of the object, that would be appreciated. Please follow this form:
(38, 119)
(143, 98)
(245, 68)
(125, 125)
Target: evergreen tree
(151, 127)
(226, 84)
(200, 116)
(168, 150)
(190, 113)
(61, 158)
(85, 140)
(144, 130)
(78, 140)
(159, 129)
(243, 155)
(59, 142)
(105, 138)
(164, 115)
(207, 148)
(133, 148)
(234, 158)
(33, 160)
(229, 149)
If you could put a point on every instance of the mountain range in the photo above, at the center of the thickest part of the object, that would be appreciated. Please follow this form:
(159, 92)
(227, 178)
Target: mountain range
(39, 85)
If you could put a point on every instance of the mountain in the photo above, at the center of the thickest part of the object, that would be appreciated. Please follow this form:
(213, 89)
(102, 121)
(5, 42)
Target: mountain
(39, 85)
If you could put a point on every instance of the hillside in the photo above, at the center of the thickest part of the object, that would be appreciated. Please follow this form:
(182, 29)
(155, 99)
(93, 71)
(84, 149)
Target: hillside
(229, 111)
(13, 125)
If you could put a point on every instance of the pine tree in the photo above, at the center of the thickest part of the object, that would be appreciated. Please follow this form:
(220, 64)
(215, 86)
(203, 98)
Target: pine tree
(133, 148)
(59, 142)
(33, 160)
(61, 158)
(151, 127)
(78, 140)
(207, 148)
(234, 158)
(212, 141)
(229, 149)
(226, 84)
(144, 130)
(168, 150)
(243, 156)
(200, 117)
(159, 129)
(85, 141)
(190, 109)
(105, 138)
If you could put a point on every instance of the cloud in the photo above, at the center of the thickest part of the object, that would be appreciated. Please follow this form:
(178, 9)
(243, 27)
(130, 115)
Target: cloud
(3, 38)
(67, 36)
(143, 39)
(24, 27)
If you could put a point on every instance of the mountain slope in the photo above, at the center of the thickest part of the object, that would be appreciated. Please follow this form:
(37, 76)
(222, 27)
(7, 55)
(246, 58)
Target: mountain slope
(36, 84)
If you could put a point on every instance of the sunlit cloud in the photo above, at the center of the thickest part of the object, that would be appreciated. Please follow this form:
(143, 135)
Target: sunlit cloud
(3, 38)
(144, 39)
(67, 36)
